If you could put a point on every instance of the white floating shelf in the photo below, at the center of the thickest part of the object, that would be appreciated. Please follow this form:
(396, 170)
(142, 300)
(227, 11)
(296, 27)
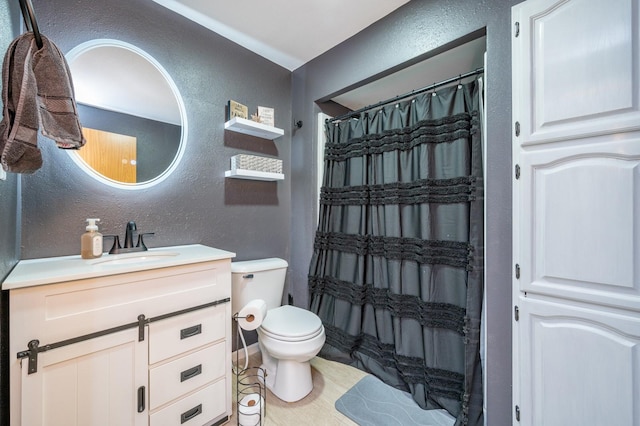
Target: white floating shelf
(252, 174)
(253, 128)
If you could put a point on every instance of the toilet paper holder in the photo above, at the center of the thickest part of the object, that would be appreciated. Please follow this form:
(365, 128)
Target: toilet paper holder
(251, 394)
(249, 318)
(251, 397)
(251, 315)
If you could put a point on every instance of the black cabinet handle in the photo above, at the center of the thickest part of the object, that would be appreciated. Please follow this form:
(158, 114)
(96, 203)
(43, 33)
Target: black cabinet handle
(191, 373)
(190, 414)
(190, 331)
(141, 399)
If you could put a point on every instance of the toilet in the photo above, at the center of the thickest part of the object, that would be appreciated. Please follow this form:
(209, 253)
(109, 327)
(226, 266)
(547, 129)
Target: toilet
(289, 337)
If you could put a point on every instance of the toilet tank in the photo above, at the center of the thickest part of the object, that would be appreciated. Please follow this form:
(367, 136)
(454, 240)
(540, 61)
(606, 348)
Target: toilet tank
(257, 279)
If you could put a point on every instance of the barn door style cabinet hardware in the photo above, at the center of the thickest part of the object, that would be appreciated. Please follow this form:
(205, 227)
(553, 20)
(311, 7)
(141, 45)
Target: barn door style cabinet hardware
(142, 342)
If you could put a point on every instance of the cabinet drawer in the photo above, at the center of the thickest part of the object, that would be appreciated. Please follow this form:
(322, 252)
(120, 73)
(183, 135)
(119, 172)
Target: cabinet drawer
(195, 409)
(181, 376)
(173, 336)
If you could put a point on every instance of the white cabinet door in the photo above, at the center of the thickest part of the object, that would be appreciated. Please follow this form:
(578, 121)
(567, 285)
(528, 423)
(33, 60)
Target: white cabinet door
(579, 364)
(576, 212)
(94, 382)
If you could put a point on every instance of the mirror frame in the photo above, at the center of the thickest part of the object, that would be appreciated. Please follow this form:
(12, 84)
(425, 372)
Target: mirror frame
(96, 43)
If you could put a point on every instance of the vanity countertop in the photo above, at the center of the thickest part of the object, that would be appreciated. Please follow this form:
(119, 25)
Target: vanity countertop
(32, 272)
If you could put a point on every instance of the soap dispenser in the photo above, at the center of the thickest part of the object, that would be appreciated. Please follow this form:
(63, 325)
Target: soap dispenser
(91, 241)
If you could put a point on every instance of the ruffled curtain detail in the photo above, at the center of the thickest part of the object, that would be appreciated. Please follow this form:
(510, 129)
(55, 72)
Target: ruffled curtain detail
(397, 270)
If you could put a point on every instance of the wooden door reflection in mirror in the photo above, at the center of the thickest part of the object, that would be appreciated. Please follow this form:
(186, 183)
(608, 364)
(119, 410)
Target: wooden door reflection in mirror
(111, 154)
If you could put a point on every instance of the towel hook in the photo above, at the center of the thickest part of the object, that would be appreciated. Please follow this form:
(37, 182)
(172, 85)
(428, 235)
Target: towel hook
(31, 23)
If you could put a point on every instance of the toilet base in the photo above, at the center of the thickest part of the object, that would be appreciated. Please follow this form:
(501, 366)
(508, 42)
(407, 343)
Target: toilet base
(290, 381)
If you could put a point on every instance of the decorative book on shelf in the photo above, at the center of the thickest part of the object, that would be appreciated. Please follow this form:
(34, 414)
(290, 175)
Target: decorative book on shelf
(236, 109)
(266, 116)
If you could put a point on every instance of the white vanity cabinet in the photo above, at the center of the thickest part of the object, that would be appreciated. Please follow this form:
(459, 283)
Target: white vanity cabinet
(121, 340)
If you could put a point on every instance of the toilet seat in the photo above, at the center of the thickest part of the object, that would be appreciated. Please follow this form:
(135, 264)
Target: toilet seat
(290, 324)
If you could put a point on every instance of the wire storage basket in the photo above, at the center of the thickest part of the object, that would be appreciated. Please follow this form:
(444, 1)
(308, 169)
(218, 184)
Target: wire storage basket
(251, 397)
(256, 163)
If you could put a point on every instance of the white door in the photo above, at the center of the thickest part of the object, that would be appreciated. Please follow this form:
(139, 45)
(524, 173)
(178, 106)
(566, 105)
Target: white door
(576, 212)
(96, 382)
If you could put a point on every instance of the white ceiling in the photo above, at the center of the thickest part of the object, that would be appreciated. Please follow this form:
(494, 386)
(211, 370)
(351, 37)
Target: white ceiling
(289, 33)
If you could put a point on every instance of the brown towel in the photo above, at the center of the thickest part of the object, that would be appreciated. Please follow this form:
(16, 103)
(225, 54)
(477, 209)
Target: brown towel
(37, 93)
(58, 111)
(19, 151)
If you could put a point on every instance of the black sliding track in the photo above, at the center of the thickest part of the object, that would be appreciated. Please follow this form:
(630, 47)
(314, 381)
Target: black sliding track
(34, 347)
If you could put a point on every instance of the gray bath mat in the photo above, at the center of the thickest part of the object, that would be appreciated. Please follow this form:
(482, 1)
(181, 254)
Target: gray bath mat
(370, 402)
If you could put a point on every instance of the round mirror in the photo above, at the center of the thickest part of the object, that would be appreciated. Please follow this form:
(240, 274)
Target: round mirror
(131, 112)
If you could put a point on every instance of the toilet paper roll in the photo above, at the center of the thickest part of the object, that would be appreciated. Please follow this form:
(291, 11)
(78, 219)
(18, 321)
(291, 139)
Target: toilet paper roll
(251, 410)
(252, 314)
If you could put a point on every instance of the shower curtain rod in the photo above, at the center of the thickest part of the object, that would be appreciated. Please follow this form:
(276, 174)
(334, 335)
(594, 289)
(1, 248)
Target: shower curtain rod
(406, 95)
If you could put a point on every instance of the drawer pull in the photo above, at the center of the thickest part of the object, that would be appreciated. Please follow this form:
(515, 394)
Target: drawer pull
(190, 414)
(190, 331)
(191, 373)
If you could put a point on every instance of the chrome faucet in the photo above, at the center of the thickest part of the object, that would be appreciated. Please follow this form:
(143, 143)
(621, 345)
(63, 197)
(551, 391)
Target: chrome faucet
(128, 240)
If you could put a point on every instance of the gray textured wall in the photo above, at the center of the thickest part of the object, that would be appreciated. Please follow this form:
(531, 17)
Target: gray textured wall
(196, 204)
(419, 29)
(9, 220)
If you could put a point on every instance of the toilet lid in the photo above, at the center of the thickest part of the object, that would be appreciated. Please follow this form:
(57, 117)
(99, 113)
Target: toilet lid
(290, 323)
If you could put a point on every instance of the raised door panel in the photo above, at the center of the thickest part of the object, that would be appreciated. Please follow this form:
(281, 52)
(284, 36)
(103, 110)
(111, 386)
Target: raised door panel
(94, 382)
(583, 211)
(579, 61)
(581, 365)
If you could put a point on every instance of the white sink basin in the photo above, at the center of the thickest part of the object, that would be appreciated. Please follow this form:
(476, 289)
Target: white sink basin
(133, 258)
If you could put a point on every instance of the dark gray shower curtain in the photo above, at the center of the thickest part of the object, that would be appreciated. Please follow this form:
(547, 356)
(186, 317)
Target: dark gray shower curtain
(397, 270)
